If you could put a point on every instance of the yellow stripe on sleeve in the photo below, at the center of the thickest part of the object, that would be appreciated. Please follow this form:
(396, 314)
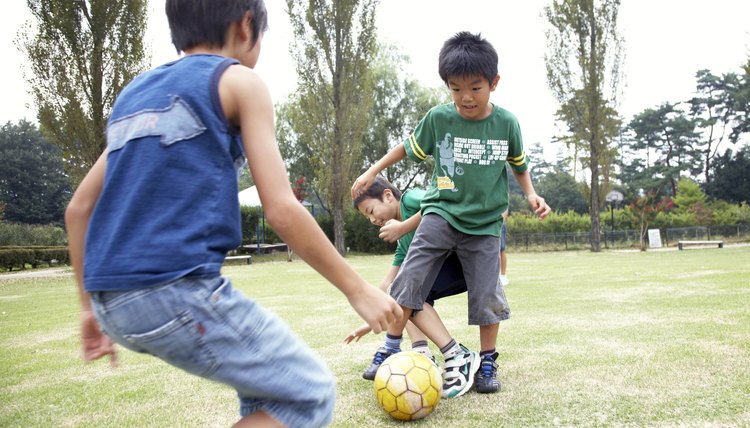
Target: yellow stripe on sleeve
(415, 148)
(518, 160)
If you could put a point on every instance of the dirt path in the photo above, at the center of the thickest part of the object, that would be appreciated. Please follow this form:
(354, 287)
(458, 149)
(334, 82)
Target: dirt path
(38, 273)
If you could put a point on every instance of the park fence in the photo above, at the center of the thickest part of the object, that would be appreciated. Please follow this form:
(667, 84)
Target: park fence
(623, 239)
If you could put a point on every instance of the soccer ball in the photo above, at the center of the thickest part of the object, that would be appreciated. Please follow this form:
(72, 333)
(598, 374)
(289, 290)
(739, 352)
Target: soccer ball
(408, 385)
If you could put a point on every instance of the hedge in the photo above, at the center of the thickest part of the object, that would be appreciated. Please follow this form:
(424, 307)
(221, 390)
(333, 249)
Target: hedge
(19, 257)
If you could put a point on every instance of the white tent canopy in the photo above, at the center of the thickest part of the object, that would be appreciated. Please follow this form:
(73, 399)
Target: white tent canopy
(249, 197)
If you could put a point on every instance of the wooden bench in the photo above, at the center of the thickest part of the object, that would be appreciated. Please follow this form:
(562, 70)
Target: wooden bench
(247, 258)
(681, 244)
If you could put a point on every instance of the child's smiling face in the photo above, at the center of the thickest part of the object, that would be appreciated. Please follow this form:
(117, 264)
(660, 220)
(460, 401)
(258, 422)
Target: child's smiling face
(379, 212)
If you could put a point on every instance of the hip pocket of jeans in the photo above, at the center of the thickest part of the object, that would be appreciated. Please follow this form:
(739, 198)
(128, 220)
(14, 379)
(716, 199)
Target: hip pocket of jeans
(178, 342)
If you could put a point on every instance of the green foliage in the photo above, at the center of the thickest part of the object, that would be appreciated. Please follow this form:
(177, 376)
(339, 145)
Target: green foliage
(562, 192)
(250, 218)
(555, 222)
(16, 234)
(731, 176)
(80, 55)
(668, 133)
(334, 48)
(33, 186)
(20, 257)
(583, 59)
(362, 236)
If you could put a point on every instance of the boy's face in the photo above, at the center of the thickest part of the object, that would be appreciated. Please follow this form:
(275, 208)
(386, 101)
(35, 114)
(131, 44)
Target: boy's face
(471, 95)
(379, 212)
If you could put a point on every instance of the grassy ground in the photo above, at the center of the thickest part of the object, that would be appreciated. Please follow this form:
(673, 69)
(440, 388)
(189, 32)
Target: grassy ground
(611, 339)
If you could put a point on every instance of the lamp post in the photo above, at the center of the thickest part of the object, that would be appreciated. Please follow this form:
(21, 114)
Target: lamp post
(613, 198)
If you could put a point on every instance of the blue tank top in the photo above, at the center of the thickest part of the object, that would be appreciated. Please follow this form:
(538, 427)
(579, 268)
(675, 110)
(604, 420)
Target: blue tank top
(168, 207)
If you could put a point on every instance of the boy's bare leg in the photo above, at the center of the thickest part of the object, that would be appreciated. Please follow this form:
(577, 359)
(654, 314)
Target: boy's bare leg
(415, 334)
(488, 336)
(258, 419)
(429, 322)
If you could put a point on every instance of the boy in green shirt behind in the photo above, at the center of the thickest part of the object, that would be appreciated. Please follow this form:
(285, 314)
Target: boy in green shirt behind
(398, 216)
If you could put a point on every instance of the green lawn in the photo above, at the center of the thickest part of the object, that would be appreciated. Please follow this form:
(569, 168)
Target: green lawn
(660, 338)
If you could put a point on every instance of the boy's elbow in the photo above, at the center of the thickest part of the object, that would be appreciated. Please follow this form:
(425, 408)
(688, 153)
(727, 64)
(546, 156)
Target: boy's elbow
(77, 211)
(281, 215)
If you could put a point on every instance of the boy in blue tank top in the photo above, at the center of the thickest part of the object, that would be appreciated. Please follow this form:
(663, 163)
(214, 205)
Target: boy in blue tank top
(470, 140)
(150, 224)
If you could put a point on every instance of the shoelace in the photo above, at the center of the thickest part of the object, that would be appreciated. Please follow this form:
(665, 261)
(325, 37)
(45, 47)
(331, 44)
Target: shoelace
(379, 357)
(487, 368)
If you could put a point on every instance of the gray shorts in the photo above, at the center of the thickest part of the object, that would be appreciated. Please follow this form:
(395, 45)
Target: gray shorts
(433, 242)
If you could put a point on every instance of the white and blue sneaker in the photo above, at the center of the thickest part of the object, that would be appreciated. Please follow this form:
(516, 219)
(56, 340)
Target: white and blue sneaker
(458, 376)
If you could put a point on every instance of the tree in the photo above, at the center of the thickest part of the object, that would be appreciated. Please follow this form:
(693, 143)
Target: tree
(81, 53)
(713, 111)
(739, 96)
(334, 47)
(583, 59)
(399, 103)
(731, 177)
(670, 135)
(643, 211)
(562, 192)
(33, 186)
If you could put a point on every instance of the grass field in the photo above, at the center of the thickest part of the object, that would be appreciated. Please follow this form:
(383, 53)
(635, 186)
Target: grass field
(660, 338)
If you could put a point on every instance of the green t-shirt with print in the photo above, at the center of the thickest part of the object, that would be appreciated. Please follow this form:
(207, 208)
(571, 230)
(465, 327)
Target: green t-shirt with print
(409, 205)
(469, 185)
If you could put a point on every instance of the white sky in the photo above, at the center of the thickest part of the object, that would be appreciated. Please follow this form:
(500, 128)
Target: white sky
(666, 43)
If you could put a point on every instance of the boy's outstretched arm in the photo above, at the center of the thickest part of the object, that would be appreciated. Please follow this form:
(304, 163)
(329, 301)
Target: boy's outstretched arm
(393, 229)
(362, 330)
(536, 202)
(77, 215)
(247, 103)
(365, 180)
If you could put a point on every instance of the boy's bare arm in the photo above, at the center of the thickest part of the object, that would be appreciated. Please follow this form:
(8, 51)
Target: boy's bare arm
(393, 229)
(365, 180)
(362, 330)
(536, 202)
(246, 101)
(77, 215)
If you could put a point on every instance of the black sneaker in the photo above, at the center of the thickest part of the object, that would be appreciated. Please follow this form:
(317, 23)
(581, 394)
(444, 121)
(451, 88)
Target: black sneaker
(380, 355)
(486, 378)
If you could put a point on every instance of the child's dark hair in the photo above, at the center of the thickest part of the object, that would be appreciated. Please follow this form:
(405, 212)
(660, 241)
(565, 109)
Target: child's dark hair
(466, 55)
(197, 22)
(375, 191)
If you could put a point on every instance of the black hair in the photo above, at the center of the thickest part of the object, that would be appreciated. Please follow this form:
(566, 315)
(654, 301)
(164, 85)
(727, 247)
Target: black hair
(197, 22)
(465, 55)
(375, 191)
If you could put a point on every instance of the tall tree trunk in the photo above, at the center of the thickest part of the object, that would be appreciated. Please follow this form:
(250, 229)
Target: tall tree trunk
(596, 244)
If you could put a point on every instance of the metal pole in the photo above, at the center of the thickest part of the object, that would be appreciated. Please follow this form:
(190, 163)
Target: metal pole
(612, 227)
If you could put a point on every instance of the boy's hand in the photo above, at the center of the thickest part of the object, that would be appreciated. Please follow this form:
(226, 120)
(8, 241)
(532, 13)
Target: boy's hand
(378, 309)
(95, 343)
(391, 230)
(538, 205)
(357, 333)
(362, 183)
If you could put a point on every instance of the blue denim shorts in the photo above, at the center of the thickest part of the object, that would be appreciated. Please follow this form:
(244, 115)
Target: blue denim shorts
(205, 327)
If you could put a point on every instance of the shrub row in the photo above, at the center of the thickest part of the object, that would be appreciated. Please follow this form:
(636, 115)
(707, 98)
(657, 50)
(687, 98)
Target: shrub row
(19, 257)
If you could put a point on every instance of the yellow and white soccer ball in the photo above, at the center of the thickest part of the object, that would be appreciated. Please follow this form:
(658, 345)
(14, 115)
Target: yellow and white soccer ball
(408, 385)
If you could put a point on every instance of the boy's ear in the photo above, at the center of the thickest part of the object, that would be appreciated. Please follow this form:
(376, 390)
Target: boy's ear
(494, 82)
(387, 194)
(244, 27)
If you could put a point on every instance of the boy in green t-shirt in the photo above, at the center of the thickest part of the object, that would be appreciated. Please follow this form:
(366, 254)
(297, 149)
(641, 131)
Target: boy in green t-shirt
(398, 216)
(470, 140)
